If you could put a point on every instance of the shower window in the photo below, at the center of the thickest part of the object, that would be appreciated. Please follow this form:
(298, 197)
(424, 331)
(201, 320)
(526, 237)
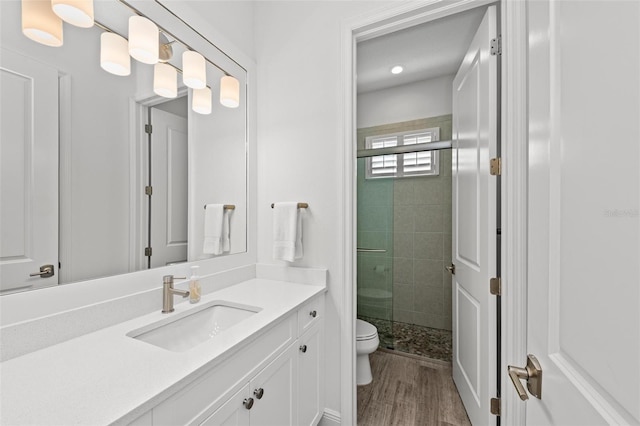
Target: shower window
(423, 163)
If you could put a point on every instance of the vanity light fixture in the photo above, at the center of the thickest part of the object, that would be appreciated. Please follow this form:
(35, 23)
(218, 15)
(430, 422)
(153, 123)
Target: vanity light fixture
(194, 71)
(165, 80)
(229, 91)
(114, 54)
(147, 43)
(201, 100)
(75, 12)
(397, 69)
(144, 44)
(40, 24)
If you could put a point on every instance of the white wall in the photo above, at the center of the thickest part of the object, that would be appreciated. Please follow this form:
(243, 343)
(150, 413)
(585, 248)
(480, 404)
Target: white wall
(300, 139)
(422, 99)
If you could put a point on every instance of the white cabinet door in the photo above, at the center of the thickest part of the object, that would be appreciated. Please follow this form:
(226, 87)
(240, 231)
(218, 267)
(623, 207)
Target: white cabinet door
(274, 391)
(310, 378)
(234, 412)
(474, 224)
(28, 171)
(584, 226)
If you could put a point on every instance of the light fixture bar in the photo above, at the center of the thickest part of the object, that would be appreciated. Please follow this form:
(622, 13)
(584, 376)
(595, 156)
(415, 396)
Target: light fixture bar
(104, 27)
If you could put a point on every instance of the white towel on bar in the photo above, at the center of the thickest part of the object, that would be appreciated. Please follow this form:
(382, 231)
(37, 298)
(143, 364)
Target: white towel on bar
(216, 229)
(287, 232)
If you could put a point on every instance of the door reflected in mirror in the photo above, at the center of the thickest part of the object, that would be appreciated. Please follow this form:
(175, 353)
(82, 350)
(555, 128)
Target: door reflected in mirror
(87, 185)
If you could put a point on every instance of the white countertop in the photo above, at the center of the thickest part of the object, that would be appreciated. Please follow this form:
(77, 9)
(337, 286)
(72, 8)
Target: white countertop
(105, 376)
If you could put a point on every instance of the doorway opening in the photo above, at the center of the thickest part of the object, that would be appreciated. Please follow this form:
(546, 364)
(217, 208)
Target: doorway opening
(159, 188)
(422, 211)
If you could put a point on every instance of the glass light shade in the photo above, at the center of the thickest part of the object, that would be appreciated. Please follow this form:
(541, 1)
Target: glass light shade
(114, 54)
(194, 71)
(144, 44)
(40, 24)
(165, 80)
(201, 102)
(75, 12)
(229, 91)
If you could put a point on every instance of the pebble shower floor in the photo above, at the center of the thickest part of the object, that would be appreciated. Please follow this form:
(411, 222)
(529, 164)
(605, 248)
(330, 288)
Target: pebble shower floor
(413, 339)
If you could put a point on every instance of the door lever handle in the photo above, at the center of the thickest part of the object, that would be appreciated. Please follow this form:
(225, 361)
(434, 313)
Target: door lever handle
(515, 374)
(451, 268)
(46, 271)
(532, 373)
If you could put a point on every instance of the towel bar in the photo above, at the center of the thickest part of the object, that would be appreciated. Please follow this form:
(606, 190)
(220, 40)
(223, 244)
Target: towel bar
(300, 205)
(226, 206)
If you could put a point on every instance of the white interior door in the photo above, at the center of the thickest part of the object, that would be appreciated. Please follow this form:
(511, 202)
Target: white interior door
(28, 172)
(474, 224)
(169, 174)
(584, 226)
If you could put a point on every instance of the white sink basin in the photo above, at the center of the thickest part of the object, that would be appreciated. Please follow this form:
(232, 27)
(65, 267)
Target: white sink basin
(194, 327)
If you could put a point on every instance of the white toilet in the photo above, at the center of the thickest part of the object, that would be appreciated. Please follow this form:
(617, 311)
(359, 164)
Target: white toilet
(366, 342)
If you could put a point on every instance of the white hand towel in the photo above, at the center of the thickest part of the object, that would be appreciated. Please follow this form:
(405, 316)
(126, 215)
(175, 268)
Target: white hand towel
(287, 232)
(216, 229)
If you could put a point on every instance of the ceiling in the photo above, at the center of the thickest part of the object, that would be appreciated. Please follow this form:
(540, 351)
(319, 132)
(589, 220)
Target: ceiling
(425, 51)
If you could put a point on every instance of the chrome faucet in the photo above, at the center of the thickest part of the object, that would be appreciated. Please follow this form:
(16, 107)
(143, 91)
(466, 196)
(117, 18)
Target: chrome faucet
(168, 291)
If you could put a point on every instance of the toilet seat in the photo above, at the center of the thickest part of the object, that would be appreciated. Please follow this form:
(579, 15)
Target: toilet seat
(365, 331)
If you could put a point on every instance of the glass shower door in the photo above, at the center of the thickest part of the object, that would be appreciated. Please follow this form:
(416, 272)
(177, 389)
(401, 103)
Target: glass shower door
(375, 253)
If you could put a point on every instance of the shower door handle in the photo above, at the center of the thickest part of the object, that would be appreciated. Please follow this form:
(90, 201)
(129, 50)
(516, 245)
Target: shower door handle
(370, 250)
(451, 269)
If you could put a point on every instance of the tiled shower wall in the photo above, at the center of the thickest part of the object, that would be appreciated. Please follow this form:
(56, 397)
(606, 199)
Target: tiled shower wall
(411, 217)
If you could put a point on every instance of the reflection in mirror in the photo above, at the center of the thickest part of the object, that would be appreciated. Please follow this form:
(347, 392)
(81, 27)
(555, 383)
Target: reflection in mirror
(100, 175)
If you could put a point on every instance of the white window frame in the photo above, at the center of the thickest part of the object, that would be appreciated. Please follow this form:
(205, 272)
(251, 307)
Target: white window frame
(401, 171)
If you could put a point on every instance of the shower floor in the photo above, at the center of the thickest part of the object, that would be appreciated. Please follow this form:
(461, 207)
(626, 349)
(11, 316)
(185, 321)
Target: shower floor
(413, 339)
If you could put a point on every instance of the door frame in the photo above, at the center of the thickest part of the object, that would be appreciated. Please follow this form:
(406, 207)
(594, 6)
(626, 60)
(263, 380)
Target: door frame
(513, 122)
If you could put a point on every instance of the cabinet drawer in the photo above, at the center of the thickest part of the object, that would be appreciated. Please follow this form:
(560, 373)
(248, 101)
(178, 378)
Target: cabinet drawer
(205, 394)
(310, 313)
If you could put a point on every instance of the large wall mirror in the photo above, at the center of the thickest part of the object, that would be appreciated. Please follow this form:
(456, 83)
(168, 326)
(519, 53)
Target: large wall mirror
(100, 175)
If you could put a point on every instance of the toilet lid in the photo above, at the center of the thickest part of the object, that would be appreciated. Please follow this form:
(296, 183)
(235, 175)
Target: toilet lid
(364, 330)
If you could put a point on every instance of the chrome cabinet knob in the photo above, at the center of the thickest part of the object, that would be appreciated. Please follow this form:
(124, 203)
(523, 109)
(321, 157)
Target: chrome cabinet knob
(248, 403)
(303, 348)
(313, 314)
(258, 393)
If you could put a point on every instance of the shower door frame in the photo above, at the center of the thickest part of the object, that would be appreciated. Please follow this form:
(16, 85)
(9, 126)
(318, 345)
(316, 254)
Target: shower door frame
(513, 122)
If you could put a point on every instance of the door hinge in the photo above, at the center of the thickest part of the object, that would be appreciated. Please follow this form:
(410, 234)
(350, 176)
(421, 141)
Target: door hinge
(495, 166)
(148, 190)
(496, 46)
(147, 251)
(148, 128)
(495, 406)
(495, 286)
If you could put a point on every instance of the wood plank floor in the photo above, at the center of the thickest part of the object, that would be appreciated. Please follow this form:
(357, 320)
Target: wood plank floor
(409, 390)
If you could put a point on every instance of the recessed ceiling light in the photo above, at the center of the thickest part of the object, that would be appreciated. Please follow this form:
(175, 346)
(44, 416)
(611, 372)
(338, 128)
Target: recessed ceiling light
(397, 69)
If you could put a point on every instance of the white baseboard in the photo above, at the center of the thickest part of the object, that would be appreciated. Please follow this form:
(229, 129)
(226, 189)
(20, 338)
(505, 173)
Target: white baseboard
(330, 418)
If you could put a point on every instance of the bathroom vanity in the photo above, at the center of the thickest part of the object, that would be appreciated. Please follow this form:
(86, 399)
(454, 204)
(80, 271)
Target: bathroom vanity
(264, 365)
